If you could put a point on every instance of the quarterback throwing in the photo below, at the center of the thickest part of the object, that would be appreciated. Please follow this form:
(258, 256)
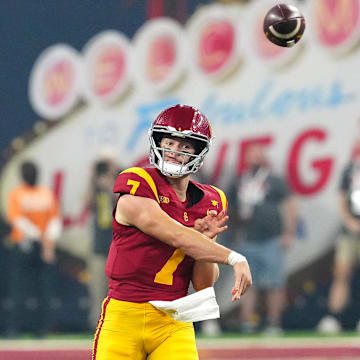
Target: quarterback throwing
(164, 237)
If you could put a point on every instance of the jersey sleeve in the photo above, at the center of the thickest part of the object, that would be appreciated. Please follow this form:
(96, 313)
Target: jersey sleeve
(138, 182)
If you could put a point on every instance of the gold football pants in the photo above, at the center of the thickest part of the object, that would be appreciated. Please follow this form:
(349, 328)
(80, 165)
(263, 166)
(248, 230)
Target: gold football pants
(139, 331)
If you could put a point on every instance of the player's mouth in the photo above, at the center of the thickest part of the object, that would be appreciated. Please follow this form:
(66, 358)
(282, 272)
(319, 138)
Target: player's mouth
(172, 160)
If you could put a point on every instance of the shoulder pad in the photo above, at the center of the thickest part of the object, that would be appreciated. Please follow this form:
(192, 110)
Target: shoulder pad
(136, 181)
(221, 196)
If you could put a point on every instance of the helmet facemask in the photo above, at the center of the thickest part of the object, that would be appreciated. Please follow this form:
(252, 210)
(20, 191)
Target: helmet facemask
(201, 144)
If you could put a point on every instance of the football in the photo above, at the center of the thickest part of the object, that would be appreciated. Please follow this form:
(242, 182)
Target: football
(284, 25)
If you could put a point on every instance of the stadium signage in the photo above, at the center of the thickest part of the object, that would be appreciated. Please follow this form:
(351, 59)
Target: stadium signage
(55, 81)
(106, 68)
(302, 109)
(337, 23)
(159, 55)
(209, 48)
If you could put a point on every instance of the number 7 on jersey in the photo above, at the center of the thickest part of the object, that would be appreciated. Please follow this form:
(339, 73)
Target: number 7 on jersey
(134, 184)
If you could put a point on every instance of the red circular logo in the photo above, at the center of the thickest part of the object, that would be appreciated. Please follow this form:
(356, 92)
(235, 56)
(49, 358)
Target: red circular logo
(216, 45)
(161, 58)
(109, 70)
(57, 82)
(337, 21)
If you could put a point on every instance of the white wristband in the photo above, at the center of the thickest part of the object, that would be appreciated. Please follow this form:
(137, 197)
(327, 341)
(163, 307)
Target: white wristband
(235, 257)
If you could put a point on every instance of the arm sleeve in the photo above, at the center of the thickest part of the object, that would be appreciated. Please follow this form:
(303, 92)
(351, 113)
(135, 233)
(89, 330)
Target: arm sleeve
(54, 229)
(54, 226)
(27, 227)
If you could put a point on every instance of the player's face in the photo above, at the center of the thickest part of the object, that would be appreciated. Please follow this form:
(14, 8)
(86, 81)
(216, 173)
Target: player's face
(175, 144)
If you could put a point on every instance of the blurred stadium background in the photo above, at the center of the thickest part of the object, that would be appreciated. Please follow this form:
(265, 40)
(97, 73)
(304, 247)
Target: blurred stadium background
(84, 78)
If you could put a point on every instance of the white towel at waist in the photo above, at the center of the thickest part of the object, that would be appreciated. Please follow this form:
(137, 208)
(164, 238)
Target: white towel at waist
(199, 306)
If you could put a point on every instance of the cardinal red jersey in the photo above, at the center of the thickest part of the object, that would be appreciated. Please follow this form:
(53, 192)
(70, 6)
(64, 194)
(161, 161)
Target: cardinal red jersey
(141, 268)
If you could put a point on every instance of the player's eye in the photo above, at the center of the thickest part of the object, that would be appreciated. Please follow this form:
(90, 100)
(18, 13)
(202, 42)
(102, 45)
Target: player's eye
(187, 147)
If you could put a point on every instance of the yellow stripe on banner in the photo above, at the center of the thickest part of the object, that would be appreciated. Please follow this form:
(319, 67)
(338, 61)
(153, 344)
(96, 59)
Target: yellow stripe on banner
(146, 176)
(222, 197)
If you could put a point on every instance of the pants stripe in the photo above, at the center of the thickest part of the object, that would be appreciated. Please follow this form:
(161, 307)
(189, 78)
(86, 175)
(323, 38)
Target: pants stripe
(99, 327)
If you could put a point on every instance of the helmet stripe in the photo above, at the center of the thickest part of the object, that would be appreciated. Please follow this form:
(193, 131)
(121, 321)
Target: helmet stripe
(146, 176)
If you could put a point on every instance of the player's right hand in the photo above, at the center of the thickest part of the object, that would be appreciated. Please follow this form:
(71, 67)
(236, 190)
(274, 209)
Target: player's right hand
(212, 224)
(243, 279)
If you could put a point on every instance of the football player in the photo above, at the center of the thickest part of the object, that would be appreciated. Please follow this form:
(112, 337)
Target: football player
(164, 231)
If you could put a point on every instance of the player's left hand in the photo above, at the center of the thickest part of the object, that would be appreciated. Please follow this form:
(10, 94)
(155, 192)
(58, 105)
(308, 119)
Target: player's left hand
(212, 224)
(243, 279)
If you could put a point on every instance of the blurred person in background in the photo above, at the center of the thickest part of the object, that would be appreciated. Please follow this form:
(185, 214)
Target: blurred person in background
(263, 219)
(164, 236)
(101, 201)
(33, 212)
(347, 247)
